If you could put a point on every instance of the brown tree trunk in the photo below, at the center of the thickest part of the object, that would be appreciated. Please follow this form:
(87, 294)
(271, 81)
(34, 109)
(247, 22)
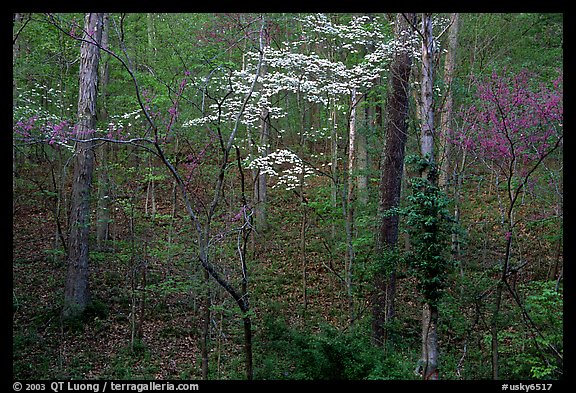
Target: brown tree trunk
(391, 171)
(206, 326)
(77, 292)
(248, 348)
(303, 225)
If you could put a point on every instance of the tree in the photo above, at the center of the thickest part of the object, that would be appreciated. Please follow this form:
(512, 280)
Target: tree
(430, 311)
(349, 203)
(201, 109)
(427, 221)
(263, 146)
(103, 212)
(77, 291)
(512, 128)
(391, 170)
(447, 112)
(204, 228)
(15, 54)
(316, 79)
(427, 214)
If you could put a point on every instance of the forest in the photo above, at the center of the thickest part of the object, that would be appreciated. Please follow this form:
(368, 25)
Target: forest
(287, 196)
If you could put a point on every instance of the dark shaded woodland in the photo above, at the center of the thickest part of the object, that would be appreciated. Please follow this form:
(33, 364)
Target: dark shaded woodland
(287, 196)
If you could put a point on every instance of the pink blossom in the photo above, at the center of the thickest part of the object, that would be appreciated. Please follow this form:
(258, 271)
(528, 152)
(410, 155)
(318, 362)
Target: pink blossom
(511, 119)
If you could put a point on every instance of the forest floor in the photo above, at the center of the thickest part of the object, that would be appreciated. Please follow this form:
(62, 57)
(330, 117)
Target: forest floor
(104, 345)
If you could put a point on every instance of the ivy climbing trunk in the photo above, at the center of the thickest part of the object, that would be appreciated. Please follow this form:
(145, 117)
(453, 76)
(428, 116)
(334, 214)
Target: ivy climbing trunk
(430, 312)
(77, 291)
(391, 171)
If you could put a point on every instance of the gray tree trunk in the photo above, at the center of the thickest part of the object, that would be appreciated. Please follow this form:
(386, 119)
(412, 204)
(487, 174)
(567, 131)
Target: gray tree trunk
(103, 213)
(77, 291)
(260, 181)
(151, 35)
(430, 312)
(427, 110)
(349, 205)
(15, 54)
(430, 341)
(362, 158)
(446, 116)
(260, 184)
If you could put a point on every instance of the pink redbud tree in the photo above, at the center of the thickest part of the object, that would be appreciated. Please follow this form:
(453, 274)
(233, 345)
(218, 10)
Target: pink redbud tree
(514, 124)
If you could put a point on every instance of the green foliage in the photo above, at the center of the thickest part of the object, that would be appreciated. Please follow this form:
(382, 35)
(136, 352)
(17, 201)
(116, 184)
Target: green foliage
(24, 363)
(171, 286)
(388, 261)
(529, 353)
(396, 365)
(96, 309)
(153, 175)
(544, 304)
(323, 206)
(537, 39)
(133, 362)
(326, 354)
(428, 223)
(161, 47)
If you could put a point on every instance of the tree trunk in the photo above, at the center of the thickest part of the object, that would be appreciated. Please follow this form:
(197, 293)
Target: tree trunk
(446, 117)
(260, 186)
(248, 347)
(103, 213)
(303, 225)
(349, 205)
(430, 341)
(260, 181)
(151, 36)
(334, 166)
(206, 326)
(430, 315)
(77, 292)
(15, 54)
(362, 158)
(427, 110)
(391, 171)
(495, 323)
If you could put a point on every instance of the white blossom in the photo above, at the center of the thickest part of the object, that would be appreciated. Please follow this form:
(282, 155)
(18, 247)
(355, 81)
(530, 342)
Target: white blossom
(283, 165)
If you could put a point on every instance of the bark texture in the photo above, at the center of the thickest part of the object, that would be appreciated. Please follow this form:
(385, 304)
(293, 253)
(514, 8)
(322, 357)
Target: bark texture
(430, 313)
(77, 291)
(446, 117)
(391, 171)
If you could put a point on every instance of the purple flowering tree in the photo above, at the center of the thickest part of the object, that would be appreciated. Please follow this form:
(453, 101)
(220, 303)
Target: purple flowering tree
(514, 124)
